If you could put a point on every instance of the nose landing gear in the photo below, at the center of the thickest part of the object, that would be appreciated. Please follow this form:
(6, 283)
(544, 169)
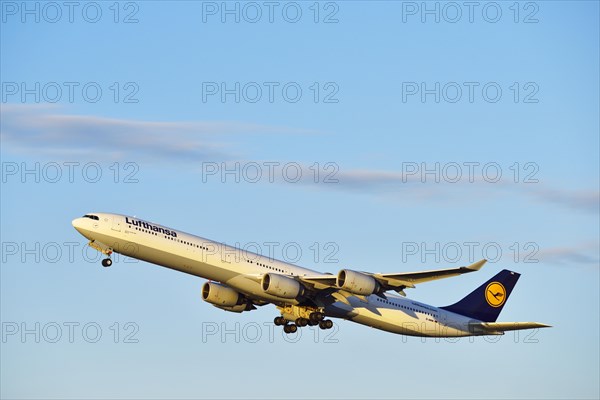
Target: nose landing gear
(104, 249)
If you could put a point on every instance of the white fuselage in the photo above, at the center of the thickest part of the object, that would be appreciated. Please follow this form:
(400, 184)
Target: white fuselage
(239, 270)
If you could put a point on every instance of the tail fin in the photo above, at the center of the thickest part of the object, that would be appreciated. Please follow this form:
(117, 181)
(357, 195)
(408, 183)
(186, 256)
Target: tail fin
(486, 302)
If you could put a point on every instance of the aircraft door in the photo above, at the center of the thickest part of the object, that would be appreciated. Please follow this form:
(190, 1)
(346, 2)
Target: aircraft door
(116, 223)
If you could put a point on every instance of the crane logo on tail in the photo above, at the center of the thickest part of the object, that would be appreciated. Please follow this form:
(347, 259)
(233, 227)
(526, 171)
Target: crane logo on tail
(495, 294)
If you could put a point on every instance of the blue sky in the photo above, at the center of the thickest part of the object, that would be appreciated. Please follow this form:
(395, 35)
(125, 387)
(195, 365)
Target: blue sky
(371, 135)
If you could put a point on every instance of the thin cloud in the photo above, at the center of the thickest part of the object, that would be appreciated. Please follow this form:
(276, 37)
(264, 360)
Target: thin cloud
(411, 185)
(579, 200)
(44, 130)
(47, 131)
(586, 254)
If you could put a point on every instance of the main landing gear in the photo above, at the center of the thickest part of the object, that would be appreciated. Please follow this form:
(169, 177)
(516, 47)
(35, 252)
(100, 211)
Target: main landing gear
(107, 262)
(315, 318)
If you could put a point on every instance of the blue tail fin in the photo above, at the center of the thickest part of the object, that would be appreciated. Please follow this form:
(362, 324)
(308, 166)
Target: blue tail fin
(486, 302)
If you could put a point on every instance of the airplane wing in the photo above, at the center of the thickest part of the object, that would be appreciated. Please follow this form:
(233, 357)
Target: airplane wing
(319, 282)
(500, 327)
(394, 281)
(409, 279)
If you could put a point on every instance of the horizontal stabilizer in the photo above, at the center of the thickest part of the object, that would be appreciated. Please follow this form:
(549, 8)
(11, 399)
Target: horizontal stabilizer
(495, 327)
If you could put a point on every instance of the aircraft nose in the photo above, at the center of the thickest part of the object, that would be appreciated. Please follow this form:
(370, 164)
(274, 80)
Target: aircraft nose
(77, 224)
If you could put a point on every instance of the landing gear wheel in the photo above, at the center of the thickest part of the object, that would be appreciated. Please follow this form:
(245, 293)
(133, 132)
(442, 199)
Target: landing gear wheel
(317, 316)
(301, 322)
(293, 328)
(326, 324)
(279, 321)
(107, 262)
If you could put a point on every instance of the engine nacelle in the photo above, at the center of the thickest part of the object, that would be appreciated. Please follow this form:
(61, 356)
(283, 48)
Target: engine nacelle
(221, 295)
(281, 286)
(237, 308)
(356, 282)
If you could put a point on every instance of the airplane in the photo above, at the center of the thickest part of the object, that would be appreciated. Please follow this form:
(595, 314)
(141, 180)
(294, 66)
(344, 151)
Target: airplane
(239, 281)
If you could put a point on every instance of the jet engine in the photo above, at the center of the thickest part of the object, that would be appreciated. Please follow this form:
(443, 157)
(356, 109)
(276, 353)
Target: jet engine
(357, 282)
(281, 286)
(220, 295)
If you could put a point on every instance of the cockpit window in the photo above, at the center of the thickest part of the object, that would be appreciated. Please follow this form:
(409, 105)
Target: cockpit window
(95, 217)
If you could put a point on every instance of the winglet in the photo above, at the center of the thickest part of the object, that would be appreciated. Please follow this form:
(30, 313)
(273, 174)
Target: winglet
(476, 266)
